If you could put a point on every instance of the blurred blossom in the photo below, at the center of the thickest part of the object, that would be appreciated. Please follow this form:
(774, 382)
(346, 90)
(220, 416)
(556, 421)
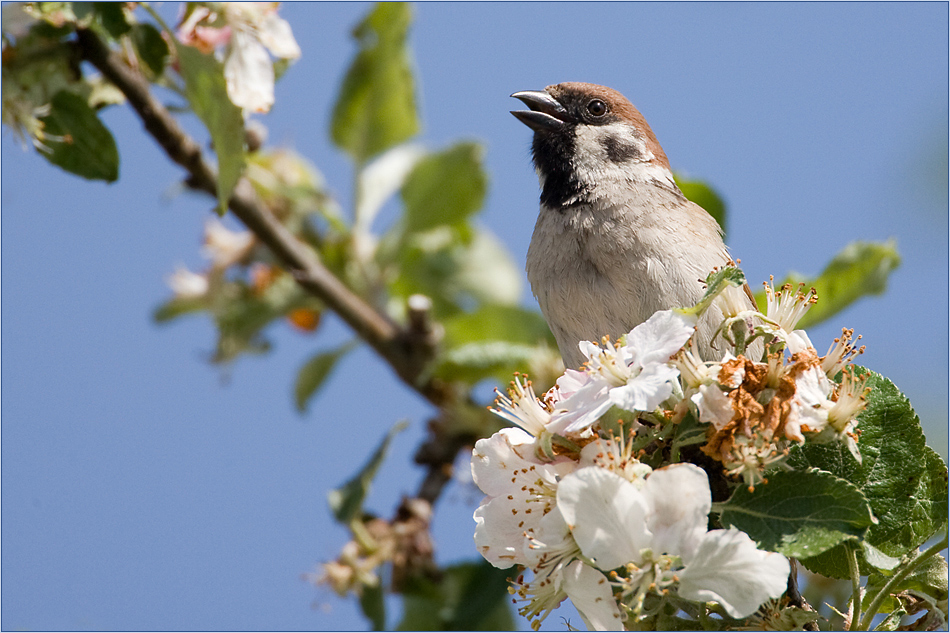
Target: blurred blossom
(186, 284)
(250, 32)
(223, 246)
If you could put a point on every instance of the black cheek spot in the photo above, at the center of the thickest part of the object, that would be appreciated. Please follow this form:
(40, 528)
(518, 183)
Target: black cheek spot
(618, 150)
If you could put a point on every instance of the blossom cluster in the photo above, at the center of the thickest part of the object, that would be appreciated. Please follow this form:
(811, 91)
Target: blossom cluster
(590, 494)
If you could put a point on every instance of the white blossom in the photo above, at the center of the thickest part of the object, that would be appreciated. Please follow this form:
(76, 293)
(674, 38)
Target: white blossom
(786, 307)
(728, 568)
(617, 524)
(520, 492)
(635, 376)
(714, 405)
(523, 407)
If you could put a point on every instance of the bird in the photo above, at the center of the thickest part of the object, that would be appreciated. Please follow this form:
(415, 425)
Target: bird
(615, 240)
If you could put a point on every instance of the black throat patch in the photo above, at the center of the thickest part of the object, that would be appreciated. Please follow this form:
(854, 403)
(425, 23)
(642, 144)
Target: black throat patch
(553, 154)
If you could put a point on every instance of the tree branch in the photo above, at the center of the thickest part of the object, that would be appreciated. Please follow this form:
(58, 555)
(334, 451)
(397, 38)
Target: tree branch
(397, 346)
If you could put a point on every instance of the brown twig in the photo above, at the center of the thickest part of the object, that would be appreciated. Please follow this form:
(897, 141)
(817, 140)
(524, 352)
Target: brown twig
(396, 345)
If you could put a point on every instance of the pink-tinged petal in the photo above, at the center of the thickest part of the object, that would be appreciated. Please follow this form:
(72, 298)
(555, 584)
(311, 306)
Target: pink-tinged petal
(680, 500)
(606, 514)
(729, 569)
(582, 409)
(571, 382)
(590, 592)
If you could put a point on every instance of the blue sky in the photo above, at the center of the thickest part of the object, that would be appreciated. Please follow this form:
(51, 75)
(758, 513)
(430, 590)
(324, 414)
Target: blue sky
(143, 488)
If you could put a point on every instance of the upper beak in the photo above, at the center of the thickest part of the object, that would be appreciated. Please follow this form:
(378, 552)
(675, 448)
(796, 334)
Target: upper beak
(546, 113)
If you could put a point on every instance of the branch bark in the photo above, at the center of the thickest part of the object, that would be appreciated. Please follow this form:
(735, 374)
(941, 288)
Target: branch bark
(397, 346)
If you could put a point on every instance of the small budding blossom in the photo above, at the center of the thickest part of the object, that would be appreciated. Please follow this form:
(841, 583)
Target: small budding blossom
(569, 500)
(250, 32)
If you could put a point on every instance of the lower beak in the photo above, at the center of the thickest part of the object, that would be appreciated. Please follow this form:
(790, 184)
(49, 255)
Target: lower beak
(546, 113)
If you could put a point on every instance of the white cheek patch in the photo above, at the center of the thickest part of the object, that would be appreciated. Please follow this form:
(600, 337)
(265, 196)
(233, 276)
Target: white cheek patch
(614, 152)
(591, 144)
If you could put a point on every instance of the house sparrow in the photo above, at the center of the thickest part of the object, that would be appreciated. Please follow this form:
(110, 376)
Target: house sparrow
(616, 240)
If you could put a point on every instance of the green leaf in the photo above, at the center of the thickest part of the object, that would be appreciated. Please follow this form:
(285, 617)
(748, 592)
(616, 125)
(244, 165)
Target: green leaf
(346, 502)
(716, 282)
(112, 17)
(861, 269)
(315, 372)
(87, 148)
(459, 268)
(469, 597)
(486, 271)
(445, 188)
(476, 361)
(494, 322)
(892, 622)
(878, 559)
(705, 196)
(374, 606)
(904, 481)
(799, 513)
(930, 579)
(376, 108)
(241, 314)
(208, 95)
(177, 307)
(151, 47)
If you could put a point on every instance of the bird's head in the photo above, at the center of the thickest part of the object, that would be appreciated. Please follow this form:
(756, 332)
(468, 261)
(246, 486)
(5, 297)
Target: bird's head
(587, 137)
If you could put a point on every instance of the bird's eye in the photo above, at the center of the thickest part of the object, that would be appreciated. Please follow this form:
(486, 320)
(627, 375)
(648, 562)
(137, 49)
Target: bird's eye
(597, 107)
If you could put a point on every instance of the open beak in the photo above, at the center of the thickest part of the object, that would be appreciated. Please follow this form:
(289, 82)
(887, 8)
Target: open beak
(545, 115)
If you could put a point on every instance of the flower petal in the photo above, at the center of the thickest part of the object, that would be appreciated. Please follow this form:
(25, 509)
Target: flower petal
(249, 73)
(659, 337)
(714, 405)
(606, 514)
(646, 391)
(276, 35)
(680, 500)
(730, 570)
(590, 592)
(582, 409)
(500, 531)
(494, 458)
